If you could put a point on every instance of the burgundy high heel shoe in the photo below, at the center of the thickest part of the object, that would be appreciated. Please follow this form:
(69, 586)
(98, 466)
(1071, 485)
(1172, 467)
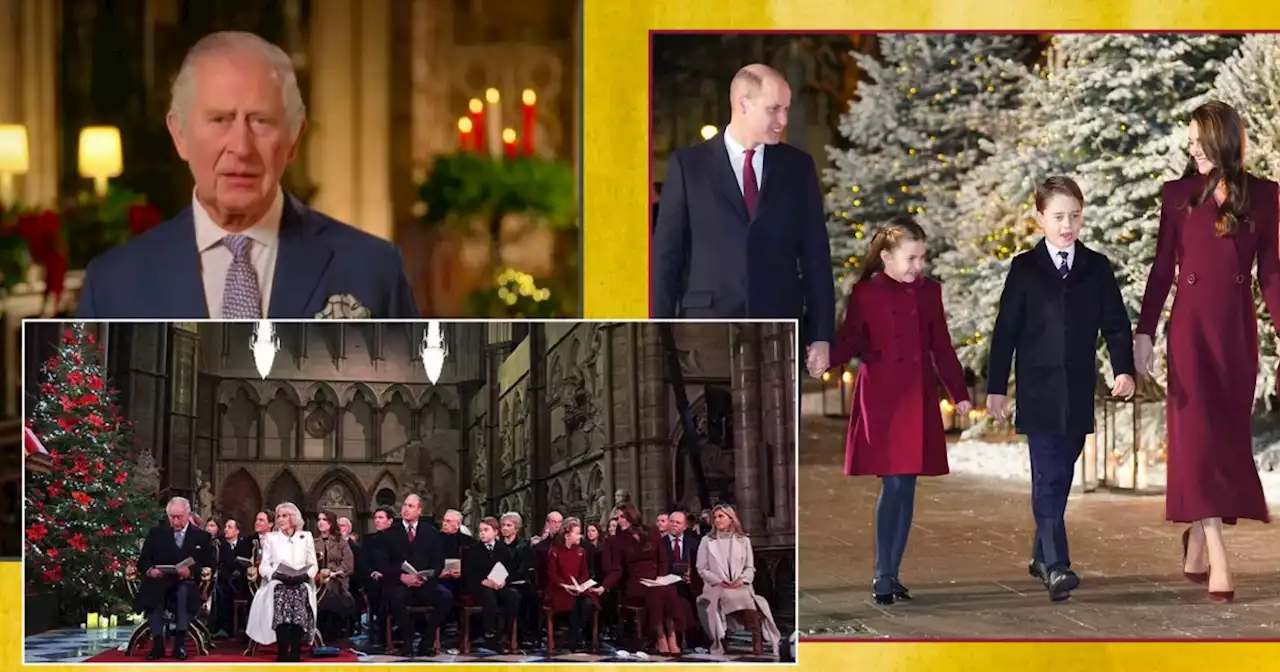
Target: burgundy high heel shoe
(1193, 577)
(1222, 597)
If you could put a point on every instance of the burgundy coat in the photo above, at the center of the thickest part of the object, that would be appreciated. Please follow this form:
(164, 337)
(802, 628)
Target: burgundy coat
(1212, 349)
(564, 564)
(899, 333)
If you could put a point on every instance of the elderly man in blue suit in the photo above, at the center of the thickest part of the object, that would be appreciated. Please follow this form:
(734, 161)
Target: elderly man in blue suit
(244, 249)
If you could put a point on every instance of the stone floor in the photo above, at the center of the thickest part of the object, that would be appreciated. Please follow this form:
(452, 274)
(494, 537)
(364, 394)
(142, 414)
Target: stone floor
(966, 563)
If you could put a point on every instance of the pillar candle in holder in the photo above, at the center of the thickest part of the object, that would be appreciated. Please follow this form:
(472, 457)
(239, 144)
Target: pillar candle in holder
(494, 121)
(91, 621)
(529, 103)
(509, 143)
(475, 110)
(114, 622)
(465, 134)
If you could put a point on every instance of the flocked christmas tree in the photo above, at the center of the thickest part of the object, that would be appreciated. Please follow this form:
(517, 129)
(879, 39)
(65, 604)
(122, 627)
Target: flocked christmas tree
(85, 518)
(1250, 82)
(915, 128)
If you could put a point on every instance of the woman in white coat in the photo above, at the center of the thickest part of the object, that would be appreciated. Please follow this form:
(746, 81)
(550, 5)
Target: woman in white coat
(284, 608)
(726, 563)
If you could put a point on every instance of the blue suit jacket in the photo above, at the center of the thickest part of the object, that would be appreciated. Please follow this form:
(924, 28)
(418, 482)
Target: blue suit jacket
(710, 260)
(157, 275)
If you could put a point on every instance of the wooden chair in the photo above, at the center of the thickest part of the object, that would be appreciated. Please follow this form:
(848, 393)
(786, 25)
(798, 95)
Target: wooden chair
(637, 612)
(551, 629)
(466, 611)
(414, 610)
(199, 633)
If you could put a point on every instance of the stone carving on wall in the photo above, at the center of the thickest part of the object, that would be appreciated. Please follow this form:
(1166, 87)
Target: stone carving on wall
(520, 434)
(598, 511)
(146, 475)
(480, 461)
(204, 497)
(555, 500)
(336, 498)
(471, 508)
(715, 450)
(506, 432)
(320, 420)
(621, 497)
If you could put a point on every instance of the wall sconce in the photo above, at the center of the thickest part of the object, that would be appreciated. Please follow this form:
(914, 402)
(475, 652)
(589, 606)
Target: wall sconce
(15, 159)
(709, 132)
(101, 157)
(434, 350)
(264, 346)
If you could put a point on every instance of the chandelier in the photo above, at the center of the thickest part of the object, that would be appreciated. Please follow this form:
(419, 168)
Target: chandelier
(434, 350)
(265, 345)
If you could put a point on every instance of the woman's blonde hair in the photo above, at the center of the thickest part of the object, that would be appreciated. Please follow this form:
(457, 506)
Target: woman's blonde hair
(295, 516)
(735, 525)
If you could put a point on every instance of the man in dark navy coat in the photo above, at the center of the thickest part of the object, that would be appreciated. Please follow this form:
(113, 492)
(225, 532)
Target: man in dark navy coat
(741, 231)
(169, 544)
(420, 545)
(1058, 297)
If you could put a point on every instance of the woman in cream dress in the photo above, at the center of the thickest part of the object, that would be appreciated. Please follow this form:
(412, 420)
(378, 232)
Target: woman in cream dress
(726, 564)
(284, 608)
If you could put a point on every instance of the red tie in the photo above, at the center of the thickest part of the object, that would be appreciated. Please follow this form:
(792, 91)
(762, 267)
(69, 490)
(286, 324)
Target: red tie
(750, 189)
(411, 534)
(677, 539)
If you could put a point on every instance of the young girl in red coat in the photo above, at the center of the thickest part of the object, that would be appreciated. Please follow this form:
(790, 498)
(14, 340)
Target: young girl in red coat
(895, 326)
(567, 562)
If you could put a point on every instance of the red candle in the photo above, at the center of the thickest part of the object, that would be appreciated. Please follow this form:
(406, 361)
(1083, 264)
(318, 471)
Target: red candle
(509, 142)
(530, 101)
(476, 111)
(465, 132)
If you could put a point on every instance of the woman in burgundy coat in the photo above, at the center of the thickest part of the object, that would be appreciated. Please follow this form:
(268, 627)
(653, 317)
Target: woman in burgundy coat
(567, 562)
(638, 555)
(895, 325)
(1214, 222)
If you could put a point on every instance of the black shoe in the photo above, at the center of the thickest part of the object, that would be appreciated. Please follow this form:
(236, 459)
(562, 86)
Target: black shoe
(180, 645)
(1036, 569)
(1060, 583)
(900, 591)
(882, 591)
(426, 648)
(157, 648)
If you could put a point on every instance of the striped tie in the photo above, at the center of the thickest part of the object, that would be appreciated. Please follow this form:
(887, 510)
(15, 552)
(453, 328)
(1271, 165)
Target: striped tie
(240, 297)
(1062, 268)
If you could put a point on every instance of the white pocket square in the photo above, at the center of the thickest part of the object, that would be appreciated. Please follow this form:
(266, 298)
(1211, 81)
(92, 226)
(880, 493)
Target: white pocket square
(343, 307)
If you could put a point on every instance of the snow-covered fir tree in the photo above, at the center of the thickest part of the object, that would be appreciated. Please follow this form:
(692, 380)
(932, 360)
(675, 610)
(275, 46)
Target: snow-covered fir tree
(915, 127)
(1249, 81)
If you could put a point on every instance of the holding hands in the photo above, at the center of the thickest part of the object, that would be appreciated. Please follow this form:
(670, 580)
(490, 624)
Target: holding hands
(1124, 387)
(818, 358)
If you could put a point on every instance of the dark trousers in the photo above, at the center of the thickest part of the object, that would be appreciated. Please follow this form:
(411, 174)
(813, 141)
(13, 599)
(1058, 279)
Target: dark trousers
(398, 598)
(498, 608)
(1053, 464)
(894, 511)
(181, 610)
(578, 617)
(224, 595)
(377, 611)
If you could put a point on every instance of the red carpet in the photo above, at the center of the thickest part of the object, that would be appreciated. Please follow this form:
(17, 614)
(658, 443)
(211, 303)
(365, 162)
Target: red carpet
(228, 652)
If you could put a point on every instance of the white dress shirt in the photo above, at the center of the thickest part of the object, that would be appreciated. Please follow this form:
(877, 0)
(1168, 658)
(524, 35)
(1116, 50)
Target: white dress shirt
(215, 258)
(1057, 258)
(736, 154)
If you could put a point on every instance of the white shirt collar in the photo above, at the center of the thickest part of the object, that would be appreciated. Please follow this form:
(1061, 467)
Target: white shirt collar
(265, 232)
(737, 149)
(1057, 258)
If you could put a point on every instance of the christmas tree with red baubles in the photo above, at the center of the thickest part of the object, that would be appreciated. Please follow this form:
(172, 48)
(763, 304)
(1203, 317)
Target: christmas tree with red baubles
(85, 519)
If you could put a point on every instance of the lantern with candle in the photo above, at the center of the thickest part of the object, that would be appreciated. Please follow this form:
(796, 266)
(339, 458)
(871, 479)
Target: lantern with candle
(1128, 427)
(837, 392)
(529, 101)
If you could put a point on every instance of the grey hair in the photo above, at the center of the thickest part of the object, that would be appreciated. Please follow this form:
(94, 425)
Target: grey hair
(230, 42)
(512, 515)
(452, 512)
(294, 514)
(178, 501)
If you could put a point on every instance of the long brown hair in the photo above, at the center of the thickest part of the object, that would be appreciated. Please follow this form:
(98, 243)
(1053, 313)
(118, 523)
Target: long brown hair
(566, 527)
(1222, 141)
(887, 239)
(638, 529)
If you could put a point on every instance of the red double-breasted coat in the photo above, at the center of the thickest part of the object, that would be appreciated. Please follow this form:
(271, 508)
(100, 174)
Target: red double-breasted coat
(899, 333)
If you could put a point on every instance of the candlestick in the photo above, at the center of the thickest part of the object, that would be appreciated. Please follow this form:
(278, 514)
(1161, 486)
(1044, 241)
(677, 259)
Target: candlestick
(494, 112)
(476, 110)
(530, 101)
(509, 142)
(465, 127)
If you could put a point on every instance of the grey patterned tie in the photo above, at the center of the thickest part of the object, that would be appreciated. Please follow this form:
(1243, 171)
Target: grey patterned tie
(177, 538)
(240, 297)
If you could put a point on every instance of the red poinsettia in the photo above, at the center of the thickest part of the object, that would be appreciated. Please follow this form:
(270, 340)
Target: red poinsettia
(42, 232)
(37, 532)
(142, 218)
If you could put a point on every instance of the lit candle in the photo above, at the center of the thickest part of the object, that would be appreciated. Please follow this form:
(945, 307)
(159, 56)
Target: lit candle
(494, 121)
(465, 127)
(113, 621)
(847, 377)
(509, 142)
(476, 109)
(92, 620)
(529, 99)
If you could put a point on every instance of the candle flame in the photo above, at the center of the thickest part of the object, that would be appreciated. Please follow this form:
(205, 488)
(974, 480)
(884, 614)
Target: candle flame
(508, 135)
(492, 96)
(826, 376)
(946, 406)
(709, 132)
(476, 106)
(465, 125)
(847, 377)
(529, 97)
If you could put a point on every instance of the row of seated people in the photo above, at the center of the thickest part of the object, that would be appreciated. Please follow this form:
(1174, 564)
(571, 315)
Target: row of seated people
(534, 577)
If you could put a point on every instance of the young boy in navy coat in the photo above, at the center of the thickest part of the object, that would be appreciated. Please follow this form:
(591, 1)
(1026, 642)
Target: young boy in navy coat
(1057, 298)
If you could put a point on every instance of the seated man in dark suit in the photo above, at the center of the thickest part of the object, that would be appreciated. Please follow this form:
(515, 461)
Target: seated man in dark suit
(168, 545)
(681, 547)
(420, 546)
(455, 545)
(235, 555)
(375, 560)
(499, 600)
(244, 249)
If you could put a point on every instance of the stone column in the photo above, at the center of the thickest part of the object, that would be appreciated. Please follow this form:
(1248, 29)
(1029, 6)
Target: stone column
(29, 80)
(778, 406)
(299, 446)
(349, 153)
(748, 437)
(262, 431)
(654, 439)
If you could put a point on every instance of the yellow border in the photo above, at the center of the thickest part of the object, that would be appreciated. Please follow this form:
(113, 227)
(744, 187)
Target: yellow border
(616, 216)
